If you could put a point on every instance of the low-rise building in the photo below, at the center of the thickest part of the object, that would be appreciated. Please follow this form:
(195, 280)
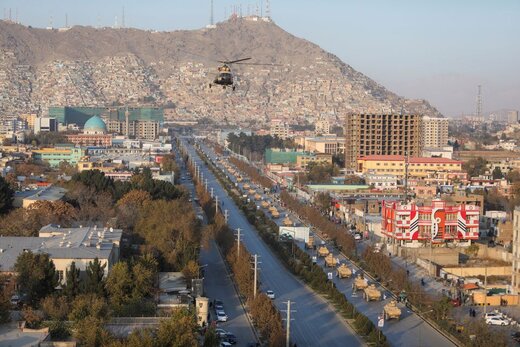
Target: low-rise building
(64, 246)
(382, 181)
(418, 167)
(279, 128)
(303, 160)
(411, 225)
(60, 153)
(515, 282)
(26, 198)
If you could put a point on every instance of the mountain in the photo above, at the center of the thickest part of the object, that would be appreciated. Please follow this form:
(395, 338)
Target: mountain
(84, 66)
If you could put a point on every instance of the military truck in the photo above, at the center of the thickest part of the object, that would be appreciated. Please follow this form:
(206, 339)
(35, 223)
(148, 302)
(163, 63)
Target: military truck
(258, 196)
(371, 293)
(392, 311)
(239, 179)
(272, 208)
(310, 243)
(287, 222)
(330, 261)
(323, 251)
(360, 283)
(251, 191)
(246, 186)
(275, 213)
(344, 271)
(265, 204)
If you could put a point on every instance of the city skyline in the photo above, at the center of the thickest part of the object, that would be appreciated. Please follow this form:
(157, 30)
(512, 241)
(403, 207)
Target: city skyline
(435, 51)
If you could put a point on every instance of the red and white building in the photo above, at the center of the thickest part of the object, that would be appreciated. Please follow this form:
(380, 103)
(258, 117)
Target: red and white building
(412, 225)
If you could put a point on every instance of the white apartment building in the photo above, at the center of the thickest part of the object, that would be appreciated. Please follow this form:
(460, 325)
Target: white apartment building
(435, 132)
(322, 127)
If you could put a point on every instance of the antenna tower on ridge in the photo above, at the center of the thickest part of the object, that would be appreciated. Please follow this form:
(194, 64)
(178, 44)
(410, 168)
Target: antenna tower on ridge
(267, 9)
(123, 18)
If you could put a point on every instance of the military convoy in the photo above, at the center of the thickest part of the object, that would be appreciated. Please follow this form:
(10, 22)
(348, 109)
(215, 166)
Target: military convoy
(344, 271)
(371, 293)
(265, 204)
(330, 261)
(323, 251)
(391, 310)
(275, 213)
(246, 186)
(251, 191)
(257, 196)
(360, 283)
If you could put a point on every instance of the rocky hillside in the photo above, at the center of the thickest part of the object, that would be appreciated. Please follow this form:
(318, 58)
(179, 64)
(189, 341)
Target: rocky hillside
(84, 66)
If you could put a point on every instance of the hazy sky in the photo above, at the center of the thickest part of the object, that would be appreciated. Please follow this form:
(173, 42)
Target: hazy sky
(439, 50)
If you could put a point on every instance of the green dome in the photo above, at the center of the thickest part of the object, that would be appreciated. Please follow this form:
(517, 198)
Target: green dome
(95, 124)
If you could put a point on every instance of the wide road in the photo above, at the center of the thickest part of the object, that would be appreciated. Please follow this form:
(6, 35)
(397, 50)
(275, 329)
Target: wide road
(410, 330)
(217, 281)
(314, 321)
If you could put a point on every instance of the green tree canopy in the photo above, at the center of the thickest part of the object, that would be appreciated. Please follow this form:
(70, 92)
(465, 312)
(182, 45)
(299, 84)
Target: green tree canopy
(94, 278)
(72, 281)
(178, 331)
(475, 167)
(6, 196)
(37, 275)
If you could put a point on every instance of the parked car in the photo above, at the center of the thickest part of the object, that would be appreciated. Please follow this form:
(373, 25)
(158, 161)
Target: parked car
(497, 321)
(231, 338)
(221, 332)
(219, 308)
(270, 294)
(222, 316)
(492, 315)
(225, 344)
(357, 236)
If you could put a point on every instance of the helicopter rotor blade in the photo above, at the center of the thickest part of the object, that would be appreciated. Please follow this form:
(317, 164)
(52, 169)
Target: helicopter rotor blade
(232, 61)
(263, 64)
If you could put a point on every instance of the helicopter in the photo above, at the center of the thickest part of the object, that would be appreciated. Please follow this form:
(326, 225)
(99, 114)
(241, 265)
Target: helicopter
(225, 77)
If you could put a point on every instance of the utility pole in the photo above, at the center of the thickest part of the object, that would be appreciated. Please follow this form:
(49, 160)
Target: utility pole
(288, 323)
(226, 216)
(211, 192)
(216, 205)
(206, 184)
(406, 177)
(238, 242)
(485, 291)
(255, 269)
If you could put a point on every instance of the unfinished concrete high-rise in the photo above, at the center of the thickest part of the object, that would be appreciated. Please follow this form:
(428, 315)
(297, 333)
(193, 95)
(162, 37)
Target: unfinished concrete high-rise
(381, 134)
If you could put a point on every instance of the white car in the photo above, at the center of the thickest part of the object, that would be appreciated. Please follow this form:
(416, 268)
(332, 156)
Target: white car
(270, 294)
(497, 321)
(357, 236)
(220, 332)
(492, 315)
(222, 316)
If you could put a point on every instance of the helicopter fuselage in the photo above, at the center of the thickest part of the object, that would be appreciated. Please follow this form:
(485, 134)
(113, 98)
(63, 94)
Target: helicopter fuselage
(224, 79)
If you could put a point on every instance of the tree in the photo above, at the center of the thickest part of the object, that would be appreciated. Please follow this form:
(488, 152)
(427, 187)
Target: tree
(55, 307)
(5, 306)
(210, 338)
(88, 305)
(6, 196)
(94, 278)
(141, 337)
(72, 281)
(497, 173)
(119, 284)
(37, 275)
(475, 167)
(144, 273)
(472, 250)
(178, 331)
(191, 270)
(323, 201)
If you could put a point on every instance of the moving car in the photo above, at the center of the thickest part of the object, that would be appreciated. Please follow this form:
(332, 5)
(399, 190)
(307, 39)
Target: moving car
(270, 294)
(357, 236)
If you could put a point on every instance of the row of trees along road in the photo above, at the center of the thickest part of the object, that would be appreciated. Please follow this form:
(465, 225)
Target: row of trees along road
(301, 265)
(266, 317)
